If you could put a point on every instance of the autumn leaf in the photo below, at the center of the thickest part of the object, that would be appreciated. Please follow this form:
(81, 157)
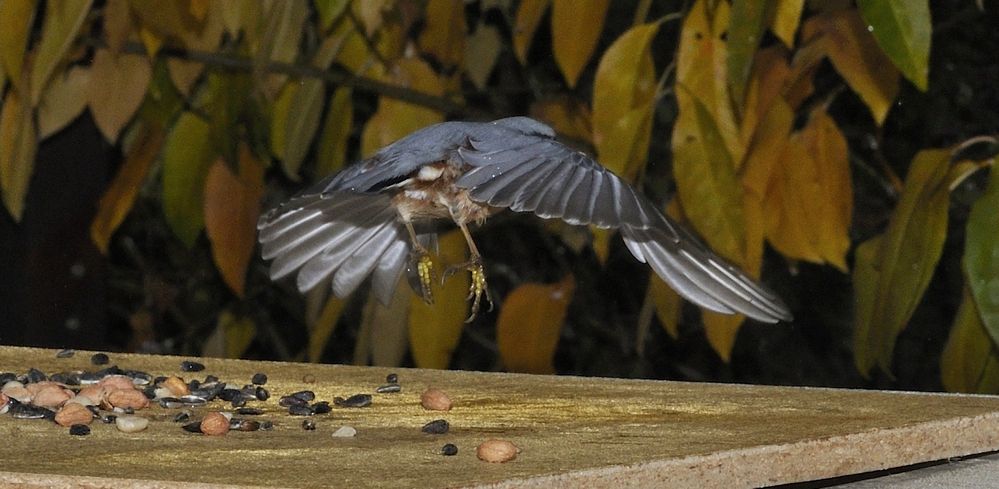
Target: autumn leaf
(668, 305)
(232, 206)
(855, 54)
(434, 329)
(530, 323)
(623, 98)
(981, 260)
(279, 43)
(63, 101)
(231, 337)
(395, 119)
(329, 11)
(443, 35)
(576, 28)
(18, 143)
(117, 87)
(903, 30)
(16, 18)
(371, 14)
(322, 328)
(784, 23)
(482, 49)
(386, 325)
(187, 157)
(184, 73)
(569, 116)
(331, 151)
(745, 31)
(62, 21)
(970, 359)
(892, 271)
(119, 197)
(529, 15)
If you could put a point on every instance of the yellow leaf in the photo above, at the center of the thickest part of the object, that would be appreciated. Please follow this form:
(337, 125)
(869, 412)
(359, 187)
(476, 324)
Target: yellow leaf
(970, 360)
(371, 14)
(856, 55)
(323, 327)
(329, 11)
(185, 73)
(199, 9)
(701, 68)
(281, 112)
(576, 28)
(242, 16)
(62, 21)
(529, 325)
(18, 144)
(331, 153)
(529, 15)
(668, 305)
(481, 52)
(623, 97)
(892, 271)
(766, 146)
(785, 20)
(232, 336)
(119, 197)
(745, 31)
(443, 34)
(387, 328)
(395, 119)
(150, 40)
(232, 206)
(788, 201)
(166, 18)
(279, 42)
(721, 331)
(63, 100)
(770, 73)
(117, 87)
(567, 115)
(434, 329)
(187, 156)
(16, 18)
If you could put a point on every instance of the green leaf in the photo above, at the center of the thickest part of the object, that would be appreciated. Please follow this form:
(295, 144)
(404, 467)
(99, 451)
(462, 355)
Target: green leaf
(187, 157)
(981, 255)
(746, 25)
(331, 153)
(63, 19)
(889, 281)
(903, 30)
(329, 11)
(305, 110)
(970, 360)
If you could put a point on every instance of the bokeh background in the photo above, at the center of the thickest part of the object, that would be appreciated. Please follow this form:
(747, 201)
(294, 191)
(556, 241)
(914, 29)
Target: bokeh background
(841, 151)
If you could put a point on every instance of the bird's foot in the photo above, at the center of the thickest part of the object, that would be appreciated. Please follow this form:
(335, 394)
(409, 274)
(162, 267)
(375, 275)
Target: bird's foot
(477, 288)
(425, 274)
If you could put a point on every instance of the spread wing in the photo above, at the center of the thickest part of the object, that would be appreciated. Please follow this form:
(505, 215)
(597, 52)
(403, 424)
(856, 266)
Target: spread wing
(535, 173)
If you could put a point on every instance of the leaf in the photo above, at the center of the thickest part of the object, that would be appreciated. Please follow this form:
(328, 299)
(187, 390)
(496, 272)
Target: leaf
(530, 323)
(117, 87)
(745, 30)
(766, 87)
(623, 98)
(569, 116)
(371, 14)
(529, 15)
(63, 19)
(387, 326)
(701, 68)
(232, 206)
(721, 331)
(329, 11)
(187, 157)
(331, 153)
(856, 56)
(443, 35)
(903, 30)
(784, 23)
(576, 28)
(981, 255)
(668, 305)
(395, 119)
(889, 282)
(184, 73)
(769, 138)
(63, 101)
(434, 329)
(18, 144)
(707, 187)
(120, 196)
(482, 49)
(281, 113)
(16, 18)
(165, 19)
(970, 359)
(231, 337)
(323, 327)
(279, 43)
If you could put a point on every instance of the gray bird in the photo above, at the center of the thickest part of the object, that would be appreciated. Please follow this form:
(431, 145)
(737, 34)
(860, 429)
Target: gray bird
(371, 219)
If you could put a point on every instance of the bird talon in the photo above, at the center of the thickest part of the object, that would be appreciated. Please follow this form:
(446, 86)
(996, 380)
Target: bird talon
(477, 288)
(425, 271)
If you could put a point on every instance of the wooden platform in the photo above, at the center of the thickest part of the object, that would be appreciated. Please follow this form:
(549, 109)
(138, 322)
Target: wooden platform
(572, 432)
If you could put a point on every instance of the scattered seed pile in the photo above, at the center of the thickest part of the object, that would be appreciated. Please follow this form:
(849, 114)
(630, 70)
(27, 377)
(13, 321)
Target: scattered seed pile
(211, 406)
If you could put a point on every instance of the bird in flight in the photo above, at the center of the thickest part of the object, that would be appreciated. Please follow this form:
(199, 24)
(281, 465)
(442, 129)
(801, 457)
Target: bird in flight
(376, 217)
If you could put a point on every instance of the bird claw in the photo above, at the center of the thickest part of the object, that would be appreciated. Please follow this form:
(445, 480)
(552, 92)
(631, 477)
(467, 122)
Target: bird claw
(477, 288)
(425, 272)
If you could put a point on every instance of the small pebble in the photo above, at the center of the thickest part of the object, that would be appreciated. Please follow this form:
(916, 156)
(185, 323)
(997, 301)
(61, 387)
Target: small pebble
(131, 424)
(449, 449)
(309, 425)
(496, 451)
(215, 424)
(191, 366)
(259, 379)
(79, 430)
(435, 400)
(392, 378)
(99, 359)
(357, 400)
(388, 389)
(345, 432)
(67, 353)
(436, 427)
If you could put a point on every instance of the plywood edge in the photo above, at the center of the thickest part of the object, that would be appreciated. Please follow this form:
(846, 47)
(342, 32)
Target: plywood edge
(25, 480)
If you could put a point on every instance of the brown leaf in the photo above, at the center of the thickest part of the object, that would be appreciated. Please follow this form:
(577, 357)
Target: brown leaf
(529, 15)
(119, 197)
(63, 101)
(18, 144)
(117, 87)
(576, 28)
(232, 206)
(529, 325)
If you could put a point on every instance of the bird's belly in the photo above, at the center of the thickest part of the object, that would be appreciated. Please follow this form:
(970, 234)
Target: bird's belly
(431, 193)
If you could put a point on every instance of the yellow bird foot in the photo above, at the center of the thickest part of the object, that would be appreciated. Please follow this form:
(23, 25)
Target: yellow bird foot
(425, 274)
(477, 288)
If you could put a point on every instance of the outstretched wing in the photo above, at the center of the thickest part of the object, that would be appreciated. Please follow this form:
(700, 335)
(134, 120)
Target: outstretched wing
(531, 172)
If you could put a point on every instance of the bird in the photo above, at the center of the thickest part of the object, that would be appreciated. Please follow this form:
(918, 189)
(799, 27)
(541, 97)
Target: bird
(376, 217)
